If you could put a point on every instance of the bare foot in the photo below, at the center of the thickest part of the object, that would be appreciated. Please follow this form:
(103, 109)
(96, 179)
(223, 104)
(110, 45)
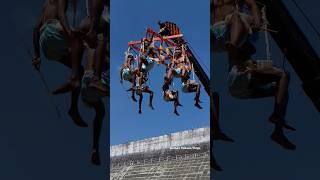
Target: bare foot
(221, 136)
(134, 98)
(176, 112)
(197, 105)
(214, 165)
(282, 140)
(278, 120)
(67, 87)
(95, 157)
(75, 116)
(99, 86)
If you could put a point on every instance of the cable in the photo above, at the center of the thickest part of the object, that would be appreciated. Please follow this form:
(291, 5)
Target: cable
(198, 57)
(45, 85)
(43, 81)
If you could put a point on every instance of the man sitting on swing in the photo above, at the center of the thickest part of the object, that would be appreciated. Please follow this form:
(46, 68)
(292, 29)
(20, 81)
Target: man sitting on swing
(179, 66)
(171, 95)
(142, 87)
(54, 37)
(248, 79)
(128, 73)
(191, 86)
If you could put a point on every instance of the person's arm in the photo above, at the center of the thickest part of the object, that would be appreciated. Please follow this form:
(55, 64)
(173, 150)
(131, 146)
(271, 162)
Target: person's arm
(139, 65)
(35, 38)
(62, 8)
(255, 12)
(188, 63)
(121, 78)
(183, 52)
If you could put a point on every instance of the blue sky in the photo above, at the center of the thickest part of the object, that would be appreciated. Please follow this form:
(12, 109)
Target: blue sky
(129, 19)
(253, 155)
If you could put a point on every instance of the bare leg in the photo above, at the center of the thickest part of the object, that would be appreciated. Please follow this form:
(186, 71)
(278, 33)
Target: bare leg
(76, 57)
(216, 132)
(169, 76)
(178, 101)
(237, 30)
(237, 33)
(148, 90)
(197, 98)
(74, 111)
(75, 94)
(100, 67)
(175, 104)
(97, 124)
(133, 84)
(140, 103)
(281, 99)
(213, 163)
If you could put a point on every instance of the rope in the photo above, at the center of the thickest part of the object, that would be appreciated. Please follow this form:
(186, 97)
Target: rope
(306, 17)
(192, 72)
(266, 35)
(43, 81)
(198, 57)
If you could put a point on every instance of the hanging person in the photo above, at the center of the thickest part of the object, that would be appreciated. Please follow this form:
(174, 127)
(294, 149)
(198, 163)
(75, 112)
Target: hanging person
(128, 73)
(179, 66)
(247, 79)
(99, 17)
(191, 86)
(171, 96)
(95, 82)
(142, 87)
(57, 41)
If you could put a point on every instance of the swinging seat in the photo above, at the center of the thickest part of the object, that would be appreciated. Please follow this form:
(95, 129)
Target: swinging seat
(243, 86)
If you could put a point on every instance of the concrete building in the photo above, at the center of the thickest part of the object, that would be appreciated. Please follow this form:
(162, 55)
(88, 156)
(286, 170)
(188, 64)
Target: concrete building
(182, 155)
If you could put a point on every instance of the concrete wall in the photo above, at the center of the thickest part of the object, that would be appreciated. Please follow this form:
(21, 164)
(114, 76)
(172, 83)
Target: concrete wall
(178, 156)
(184, 138)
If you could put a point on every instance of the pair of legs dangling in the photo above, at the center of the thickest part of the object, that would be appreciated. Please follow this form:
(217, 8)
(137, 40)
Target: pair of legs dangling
(171, 95)
(240, 52)
(188, 85)
(141, 88)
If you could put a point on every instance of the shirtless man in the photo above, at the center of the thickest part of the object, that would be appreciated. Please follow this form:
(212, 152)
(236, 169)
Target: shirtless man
(179, 67)
(142, 87)
(128, 73)
(191, 86)
(171, 95)
(247, 79)
(53, 35)
(95, 82)
(230, 27)
(148, 56)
